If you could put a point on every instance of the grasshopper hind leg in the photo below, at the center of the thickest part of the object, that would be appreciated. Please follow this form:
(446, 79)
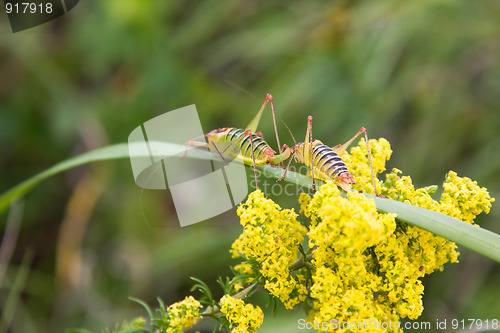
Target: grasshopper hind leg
(340, 149)
(249, 133)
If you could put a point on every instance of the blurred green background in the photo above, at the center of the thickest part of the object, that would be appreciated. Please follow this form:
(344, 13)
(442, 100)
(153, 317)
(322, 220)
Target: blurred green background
(423, 74)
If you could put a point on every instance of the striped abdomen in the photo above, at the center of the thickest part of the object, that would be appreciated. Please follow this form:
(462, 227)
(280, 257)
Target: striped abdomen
(262, 150)
(327, 164)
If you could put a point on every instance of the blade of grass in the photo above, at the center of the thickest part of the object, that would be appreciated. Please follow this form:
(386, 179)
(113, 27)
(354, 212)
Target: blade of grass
(14, 296)
(472, 237)
(11, 233)
(101, 154)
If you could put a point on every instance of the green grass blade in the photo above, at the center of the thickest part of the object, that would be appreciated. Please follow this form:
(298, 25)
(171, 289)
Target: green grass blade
(145, 306)
(101, 154)
(15, 290)
(472, 237)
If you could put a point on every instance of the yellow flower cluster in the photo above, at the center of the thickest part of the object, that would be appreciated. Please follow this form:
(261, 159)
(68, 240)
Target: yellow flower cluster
(271, 237)
(402, 189)
(409, 252)
(183, 314)
(462, 198)
(358, 165)
(466, 196)
(244, 269)
(338, 303)
(344, 233)
(361, 265)
(243, 318)
(343, 226)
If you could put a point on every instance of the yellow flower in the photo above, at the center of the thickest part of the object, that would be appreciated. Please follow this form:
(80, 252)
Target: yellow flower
(343, 233)
(466, 196)
(183, 315)
(361, 265)
(359, 166)
(344, 226)
(359, 252)
(400, 286)
(247, 270)
(243, 318)
(335, 300)
(271, 237)
(462, 198)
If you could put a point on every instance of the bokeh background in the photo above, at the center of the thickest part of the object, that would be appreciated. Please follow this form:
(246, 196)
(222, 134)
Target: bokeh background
(423, 74)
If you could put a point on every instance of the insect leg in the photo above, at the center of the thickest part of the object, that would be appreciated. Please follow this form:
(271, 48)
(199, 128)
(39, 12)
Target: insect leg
(212, 143)
(255, 121)
(193, 143)
(275, 127)
(370, 160)
(286, 148)
(340, 149)
(308, 142)
(249, 133)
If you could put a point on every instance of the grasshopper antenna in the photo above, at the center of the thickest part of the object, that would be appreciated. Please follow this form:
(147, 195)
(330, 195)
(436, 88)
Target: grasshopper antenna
(240, 88)
(268, 97)
(283, 122)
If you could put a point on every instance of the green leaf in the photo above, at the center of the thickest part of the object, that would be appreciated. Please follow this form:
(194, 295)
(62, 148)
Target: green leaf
(101, 154)
(15, 291)
(204, 289)
(112, 152)
(144, 305)
(472, 237)
(162, 305)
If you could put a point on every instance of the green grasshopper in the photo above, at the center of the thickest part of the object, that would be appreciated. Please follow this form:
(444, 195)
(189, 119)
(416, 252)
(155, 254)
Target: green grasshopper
(252, 148)
(325, 162)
